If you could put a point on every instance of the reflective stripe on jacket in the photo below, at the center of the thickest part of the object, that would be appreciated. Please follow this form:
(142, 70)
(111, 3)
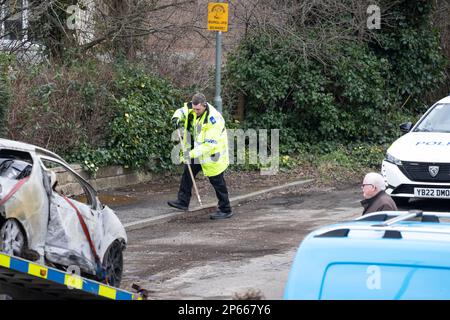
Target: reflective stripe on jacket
(209, 135)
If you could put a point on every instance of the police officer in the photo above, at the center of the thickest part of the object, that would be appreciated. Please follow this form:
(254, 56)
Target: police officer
(209, 152)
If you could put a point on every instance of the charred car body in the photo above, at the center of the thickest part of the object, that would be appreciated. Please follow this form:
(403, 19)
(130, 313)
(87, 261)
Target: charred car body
(41, 223)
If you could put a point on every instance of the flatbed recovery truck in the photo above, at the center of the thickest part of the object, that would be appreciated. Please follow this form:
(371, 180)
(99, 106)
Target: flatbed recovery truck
(24, 280)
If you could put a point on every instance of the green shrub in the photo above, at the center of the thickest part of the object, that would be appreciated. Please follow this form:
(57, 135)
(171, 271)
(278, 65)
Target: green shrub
(60, 107)
(360, 93)
(139, 133)
(95, 114)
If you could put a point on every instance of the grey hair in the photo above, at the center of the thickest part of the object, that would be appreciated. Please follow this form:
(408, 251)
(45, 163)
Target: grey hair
(376, 179)
(198, 98)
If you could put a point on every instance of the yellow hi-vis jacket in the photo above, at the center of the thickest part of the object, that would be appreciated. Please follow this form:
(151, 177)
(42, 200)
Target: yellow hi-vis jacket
(209, 135)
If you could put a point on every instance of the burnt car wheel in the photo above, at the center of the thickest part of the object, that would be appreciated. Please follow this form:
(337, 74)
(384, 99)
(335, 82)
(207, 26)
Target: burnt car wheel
(12, 238)
(113, 263)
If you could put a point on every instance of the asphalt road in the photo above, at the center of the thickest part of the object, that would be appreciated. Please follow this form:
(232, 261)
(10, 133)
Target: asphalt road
(193, 257)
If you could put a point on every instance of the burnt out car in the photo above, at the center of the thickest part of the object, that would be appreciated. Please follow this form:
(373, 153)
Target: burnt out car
(60, 227)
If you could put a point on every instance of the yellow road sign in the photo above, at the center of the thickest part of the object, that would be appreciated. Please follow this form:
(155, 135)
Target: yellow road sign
(218, 16)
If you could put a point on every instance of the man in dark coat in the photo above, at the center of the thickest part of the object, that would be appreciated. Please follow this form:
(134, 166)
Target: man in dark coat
(375, 198)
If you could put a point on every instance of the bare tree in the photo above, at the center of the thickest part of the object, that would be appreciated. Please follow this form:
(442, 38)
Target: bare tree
(331, 22)
(119, 26)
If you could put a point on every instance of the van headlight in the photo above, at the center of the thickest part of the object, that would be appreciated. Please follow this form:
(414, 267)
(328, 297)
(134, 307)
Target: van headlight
(392, 159)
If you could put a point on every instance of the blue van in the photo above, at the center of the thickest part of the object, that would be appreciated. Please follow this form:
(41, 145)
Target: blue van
(384, 255)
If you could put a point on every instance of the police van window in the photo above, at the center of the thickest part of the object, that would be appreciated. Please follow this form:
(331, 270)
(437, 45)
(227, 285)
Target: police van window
(437, 120)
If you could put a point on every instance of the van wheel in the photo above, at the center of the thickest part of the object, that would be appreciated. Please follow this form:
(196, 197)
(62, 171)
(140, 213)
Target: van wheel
(113, 263)
(400, 201)
(12, 237)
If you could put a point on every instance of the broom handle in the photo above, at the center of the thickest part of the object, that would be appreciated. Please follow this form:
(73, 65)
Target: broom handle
(190, 170)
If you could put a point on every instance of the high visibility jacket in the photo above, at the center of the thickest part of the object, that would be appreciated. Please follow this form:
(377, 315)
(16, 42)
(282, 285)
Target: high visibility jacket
(209, 137)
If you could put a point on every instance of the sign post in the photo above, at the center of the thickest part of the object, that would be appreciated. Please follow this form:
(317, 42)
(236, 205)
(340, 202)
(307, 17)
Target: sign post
(218, 21)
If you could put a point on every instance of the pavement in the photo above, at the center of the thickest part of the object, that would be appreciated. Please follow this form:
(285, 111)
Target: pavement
(184, 255)
(193, 257)
(142, 205)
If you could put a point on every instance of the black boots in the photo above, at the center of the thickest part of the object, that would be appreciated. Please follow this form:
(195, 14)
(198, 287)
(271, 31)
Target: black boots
(215, 216)
(177, 204)
(220, 215)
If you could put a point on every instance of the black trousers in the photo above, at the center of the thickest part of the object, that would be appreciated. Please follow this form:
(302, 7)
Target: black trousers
(218, 182)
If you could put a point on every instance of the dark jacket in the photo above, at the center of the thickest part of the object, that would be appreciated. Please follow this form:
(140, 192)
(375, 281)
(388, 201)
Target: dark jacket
(380, 202)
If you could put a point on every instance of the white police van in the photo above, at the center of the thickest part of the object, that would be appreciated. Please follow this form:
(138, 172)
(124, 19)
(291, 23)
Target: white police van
(417, 165)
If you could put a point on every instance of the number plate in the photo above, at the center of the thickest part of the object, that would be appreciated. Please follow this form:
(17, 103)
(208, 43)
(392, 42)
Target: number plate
(432, 193)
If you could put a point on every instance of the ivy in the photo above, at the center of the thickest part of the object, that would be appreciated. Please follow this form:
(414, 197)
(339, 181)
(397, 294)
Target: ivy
(5, 89)
(139, 133)
(359, 93)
